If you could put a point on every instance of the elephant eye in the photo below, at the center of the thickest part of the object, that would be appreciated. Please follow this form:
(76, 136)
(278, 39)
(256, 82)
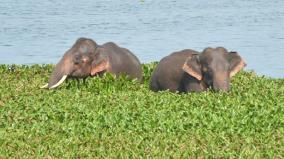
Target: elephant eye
(205, 69)
(208, 71)
(77, 59)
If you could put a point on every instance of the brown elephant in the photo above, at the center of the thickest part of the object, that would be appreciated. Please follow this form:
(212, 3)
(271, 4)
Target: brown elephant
(191, 71)
(87, 58)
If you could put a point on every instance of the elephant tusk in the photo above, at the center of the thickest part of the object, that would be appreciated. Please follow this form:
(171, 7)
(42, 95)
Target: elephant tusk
(44, 86)
(59, 82)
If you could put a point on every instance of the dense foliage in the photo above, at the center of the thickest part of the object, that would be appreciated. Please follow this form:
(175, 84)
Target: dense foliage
(108, 117)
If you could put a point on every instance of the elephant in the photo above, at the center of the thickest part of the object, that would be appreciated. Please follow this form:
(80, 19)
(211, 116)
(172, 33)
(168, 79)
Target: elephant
(191, 71)
(86, 58)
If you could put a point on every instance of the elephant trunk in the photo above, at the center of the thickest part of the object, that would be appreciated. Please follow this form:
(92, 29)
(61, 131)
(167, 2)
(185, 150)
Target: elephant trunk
(60, 73)
(221, 82)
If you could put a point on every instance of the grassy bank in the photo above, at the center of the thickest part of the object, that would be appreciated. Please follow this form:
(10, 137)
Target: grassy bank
(119, 118)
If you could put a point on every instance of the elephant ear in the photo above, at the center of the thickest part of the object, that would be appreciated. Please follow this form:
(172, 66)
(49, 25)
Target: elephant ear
(192, 67)
(99, 67)
(236, 63)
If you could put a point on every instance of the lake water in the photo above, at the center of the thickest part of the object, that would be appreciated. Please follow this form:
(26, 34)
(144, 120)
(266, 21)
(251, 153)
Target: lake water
(33, 31)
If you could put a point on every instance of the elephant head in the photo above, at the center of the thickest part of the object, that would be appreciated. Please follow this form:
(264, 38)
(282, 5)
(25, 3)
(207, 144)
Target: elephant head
(76, 63)
(214, 67)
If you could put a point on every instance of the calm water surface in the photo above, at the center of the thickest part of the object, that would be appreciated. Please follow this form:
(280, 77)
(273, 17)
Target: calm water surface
(33, 31)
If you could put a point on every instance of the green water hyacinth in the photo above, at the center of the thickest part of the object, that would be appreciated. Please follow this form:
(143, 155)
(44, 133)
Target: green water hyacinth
(120, 118)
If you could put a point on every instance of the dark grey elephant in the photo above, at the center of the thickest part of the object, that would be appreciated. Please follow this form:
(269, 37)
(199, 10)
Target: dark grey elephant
(191, 71)
(87, 58)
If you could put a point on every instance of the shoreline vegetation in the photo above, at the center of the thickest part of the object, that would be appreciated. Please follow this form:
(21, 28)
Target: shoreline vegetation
(110, 118)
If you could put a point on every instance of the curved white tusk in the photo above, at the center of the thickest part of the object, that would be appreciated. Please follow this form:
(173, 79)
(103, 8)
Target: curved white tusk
(44, 86)
(58, 83)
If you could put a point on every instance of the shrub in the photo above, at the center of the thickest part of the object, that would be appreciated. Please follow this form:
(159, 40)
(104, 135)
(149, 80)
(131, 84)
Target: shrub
(111, 118)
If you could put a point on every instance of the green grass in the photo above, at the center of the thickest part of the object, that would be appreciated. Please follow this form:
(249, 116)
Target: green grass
(119, 118)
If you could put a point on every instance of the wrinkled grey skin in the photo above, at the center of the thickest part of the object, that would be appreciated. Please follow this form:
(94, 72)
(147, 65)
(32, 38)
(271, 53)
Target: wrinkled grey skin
(78, 61)
(214, 67)
(121, 61)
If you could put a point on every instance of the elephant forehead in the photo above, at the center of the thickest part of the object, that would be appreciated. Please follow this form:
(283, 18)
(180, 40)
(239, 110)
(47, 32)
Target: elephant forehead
(214, 53)
(220, 66)
(83, 48)
(215, 63)
(213, 56)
